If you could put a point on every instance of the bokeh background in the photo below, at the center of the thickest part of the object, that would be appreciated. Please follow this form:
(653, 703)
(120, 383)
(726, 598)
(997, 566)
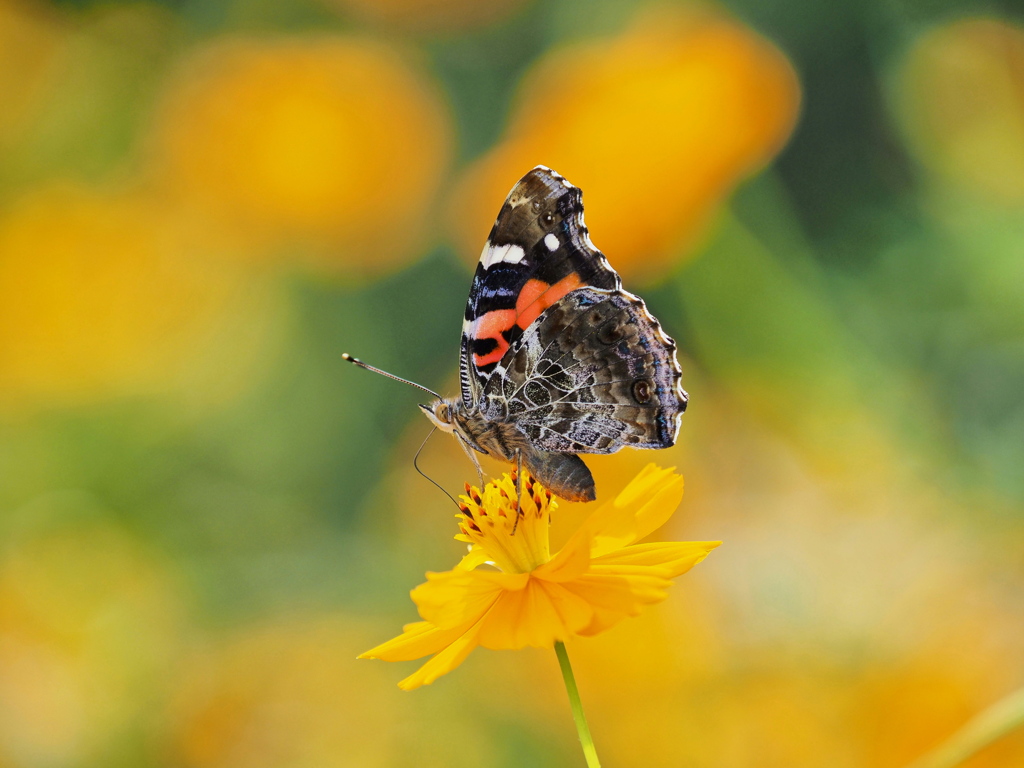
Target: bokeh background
(205, 514)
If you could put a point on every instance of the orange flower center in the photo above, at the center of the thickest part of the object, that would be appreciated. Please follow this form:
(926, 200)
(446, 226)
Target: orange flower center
(489, 520)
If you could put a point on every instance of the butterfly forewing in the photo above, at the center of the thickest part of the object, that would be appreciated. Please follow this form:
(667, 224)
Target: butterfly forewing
(538, 251)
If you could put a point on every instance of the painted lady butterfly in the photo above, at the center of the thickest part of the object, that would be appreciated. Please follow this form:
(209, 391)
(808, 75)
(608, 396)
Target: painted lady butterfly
(557, 359)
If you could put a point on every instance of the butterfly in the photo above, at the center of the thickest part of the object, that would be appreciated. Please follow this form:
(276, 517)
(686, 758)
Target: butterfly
(556, 358)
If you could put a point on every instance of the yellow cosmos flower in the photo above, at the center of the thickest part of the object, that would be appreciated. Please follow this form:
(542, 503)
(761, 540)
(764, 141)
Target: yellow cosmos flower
(509, 591)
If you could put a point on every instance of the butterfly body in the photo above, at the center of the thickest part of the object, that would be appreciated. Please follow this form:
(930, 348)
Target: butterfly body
(557, 359)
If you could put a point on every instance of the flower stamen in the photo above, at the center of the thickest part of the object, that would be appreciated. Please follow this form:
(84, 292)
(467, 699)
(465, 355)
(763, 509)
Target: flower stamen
(516, 537)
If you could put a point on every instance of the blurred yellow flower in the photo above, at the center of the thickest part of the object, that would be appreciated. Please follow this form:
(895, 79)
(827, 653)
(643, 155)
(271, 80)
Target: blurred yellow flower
(431, 16)
(90, 626)
(333, 144)
(279, 694)
(656, 126)
(963, 104)
(531, 598)
(101, 295)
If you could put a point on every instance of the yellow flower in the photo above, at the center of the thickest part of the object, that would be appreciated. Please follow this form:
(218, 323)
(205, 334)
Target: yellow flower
(531, 598)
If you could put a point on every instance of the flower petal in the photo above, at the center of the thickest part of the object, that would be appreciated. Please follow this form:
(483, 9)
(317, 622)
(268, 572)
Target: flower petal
(418, 639)
(571, 560)
(614, 596)
(445, 661)
(574, 612)
(642, 507)
(647, 480)
(535, 616)
(421, 638)
(476, 557)
(454, 597)
(676, 557)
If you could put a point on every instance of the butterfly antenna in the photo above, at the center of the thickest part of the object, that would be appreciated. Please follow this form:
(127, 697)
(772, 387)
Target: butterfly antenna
(361, 364)
(415, 463)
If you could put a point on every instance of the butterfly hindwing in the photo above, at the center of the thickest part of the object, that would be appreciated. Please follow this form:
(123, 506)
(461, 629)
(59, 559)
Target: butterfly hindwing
(538, 251)
(593, 374)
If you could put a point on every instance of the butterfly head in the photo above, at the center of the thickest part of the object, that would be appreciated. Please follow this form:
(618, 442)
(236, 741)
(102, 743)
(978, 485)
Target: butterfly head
(441, 414)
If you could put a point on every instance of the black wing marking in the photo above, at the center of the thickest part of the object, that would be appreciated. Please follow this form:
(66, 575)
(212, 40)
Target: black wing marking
(539, 249)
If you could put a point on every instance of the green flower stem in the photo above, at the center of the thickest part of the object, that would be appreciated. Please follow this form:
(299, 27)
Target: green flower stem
(589, 752)
(980, 731)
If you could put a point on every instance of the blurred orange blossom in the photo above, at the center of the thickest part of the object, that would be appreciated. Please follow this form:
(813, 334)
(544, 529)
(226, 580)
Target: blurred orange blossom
(531, 598)
(334, 144)
(101, 294)
(280, 694)
(90, 622)
(656, 126)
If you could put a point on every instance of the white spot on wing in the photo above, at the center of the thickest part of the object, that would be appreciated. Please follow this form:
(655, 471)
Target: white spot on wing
(551, 242)
(492, 254)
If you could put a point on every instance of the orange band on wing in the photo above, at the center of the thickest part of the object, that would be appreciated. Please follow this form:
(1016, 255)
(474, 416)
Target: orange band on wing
(537, 296)
(534, 298)
(491, 326)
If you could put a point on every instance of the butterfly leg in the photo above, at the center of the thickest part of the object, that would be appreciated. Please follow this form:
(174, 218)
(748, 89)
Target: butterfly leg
(472, 457)
(519, 490)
